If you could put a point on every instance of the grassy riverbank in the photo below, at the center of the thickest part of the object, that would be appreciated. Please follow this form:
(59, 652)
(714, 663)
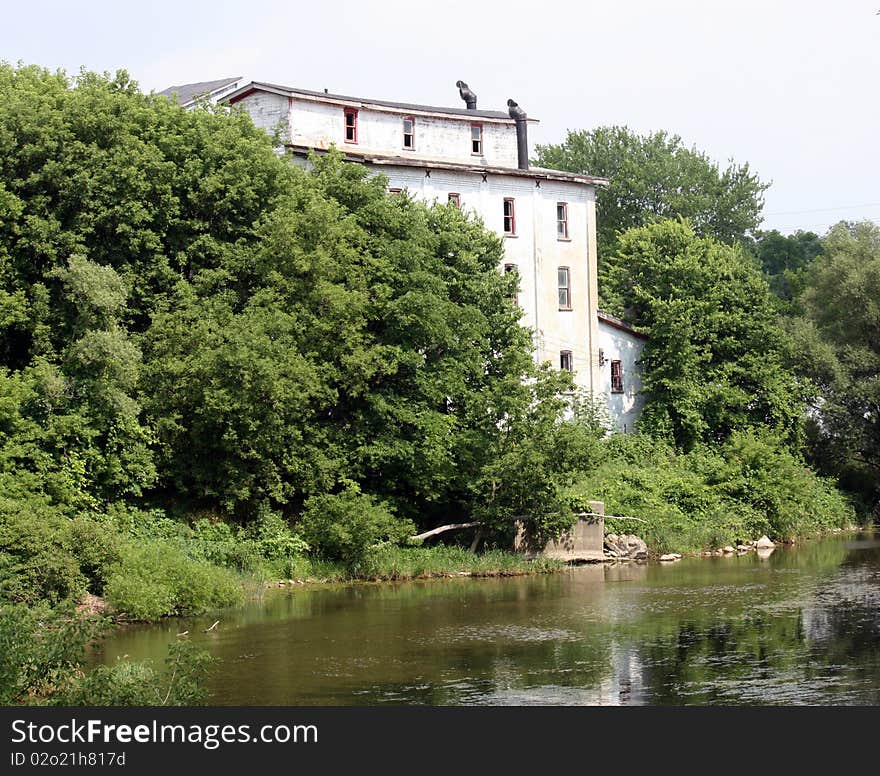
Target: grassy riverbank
(392, 564)
(713, 496)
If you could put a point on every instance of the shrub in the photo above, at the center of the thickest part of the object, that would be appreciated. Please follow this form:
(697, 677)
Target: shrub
(348, 526)
(40, 650)
(96, 545)
(139, 684)
(158, 579)
(41, 662)
(36, 560)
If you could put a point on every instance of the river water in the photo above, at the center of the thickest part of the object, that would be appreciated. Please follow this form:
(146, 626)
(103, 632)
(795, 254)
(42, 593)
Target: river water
(799, 627)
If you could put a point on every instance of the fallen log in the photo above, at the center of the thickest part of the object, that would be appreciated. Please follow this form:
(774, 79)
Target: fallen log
(443, 529)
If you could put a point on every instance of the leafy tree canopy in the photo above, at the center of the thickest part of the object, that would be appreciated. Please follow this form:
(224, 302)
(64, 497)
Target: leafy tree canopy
(839, 349)
(785, 260)
(714, 360)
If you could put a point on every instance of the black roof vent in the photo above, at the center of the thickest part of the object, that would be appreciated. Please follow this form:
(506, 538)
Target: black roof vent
(467, 95)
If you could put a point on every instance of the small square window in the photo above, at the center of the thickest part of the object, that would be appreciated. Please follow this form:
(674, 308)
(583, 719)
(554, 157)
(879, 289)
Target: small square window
(409, 133)
(477, 139)
(562, 220)
(455, 199)
(351, 125)
(566, 362)
(509, 216)
(395, 191)
(564, 280)
(616, 377)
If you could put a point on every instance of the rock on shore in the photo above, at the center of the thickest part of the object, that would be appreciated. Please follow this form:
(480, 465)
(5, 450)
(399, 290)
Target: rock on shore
(625, 547)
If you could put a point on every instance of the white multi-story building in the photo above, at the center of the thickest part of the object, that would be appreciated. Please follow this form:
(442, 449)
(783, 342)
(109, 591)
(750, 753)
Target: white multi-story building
(479, 160)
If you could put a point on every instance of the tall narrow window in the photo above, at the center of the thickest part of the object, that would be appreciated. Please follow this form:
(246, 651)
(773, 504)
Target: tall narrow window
(616, 377)
(508, 268)
(564, 276)
(409, 133)
(566, 363)
(455, 199)
(509, 216)
(562, 220)
(477, 139)
(351, 125)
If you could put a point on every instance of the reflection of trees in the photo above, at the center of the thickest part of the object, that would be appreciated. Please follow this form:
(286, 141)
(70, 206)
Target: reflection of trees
(802, 626)
(808, 642)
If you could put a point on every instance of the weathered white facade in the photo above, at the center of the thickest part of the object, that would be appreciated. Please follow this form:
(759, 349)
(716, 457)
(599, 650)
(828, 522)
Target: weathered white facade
(620, 376)
(547, 218)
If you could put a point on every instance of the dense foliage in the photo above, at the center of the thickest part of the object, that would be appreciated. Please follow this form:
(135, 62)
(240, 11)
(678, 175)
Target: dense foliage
(42, 654)
(714, 362)
(838, 348)
(786, 259)
(714, 495)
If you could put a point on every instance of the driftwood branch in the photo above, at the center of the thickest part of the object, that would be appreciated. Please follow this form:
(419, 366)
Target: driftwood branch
(611, 517)
(458, 526)
(443, 529)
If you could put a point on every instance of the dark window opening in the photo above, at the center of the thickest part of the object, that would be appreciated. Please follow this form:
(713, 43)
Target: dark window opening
(509, 217)
(455, 198)
(566, 363)
(409, 133)
(351, 125)
(616, 377)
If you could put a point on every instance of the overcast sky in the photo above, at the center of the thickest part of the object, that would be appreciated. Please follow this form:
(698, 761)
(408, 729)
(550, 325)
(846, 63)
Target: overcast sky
(790, 87)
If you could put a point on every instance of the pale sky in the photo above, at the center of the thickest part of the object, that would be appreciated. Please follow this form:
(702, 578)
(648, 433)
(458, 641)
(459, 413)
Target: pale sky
(791, 87)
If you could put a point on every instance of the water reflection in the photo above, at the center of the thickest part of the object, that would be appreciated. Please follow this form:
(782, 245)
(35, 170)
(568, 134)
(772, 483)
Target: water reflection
(800, 626)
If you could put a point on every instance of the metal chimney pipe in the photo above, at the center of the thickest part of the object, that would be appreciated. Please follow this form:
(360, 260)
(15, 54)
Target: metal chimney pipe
(522, 134)
(467, 95)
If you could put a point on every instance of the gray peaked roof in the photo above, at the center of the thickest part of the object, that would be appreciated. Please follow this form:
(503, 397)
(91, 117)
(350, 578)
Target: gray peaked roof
(188, 92)
(290, 90)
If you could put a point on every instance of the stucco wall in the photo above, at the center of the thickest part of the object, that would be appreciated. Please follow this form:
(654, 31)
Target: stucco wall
(623, 408)
(317, 124)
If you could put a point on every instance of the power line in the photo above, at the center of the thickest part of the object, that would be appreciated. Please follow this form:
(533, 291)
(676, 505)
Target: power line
(821, 209)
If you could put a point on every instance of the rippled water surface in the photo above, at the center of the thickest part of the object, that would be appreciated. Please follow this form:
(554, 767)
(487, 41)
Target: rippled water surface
(799, 627)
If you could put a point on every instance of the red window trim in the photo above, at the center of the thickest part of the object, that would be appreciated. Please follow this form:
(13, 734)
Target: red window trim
(478, 124)
(512, 231)
(564, 222)
(617, 376)
(413, 133)
(395, 191)
(455, 198)
(567, 288)
(346, 112)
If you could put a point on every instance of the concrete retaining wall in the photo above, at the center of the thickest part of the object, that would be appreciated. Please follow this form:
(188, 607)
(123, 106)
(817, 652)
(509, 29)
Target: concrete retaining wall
(583, 543)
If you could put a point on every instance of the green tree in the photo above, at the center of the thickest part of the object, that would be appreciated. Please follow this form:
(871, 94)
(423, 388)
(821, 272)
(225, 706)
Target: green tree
(714, 360)
(839, 349)
(655, 176)
(785, 260)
